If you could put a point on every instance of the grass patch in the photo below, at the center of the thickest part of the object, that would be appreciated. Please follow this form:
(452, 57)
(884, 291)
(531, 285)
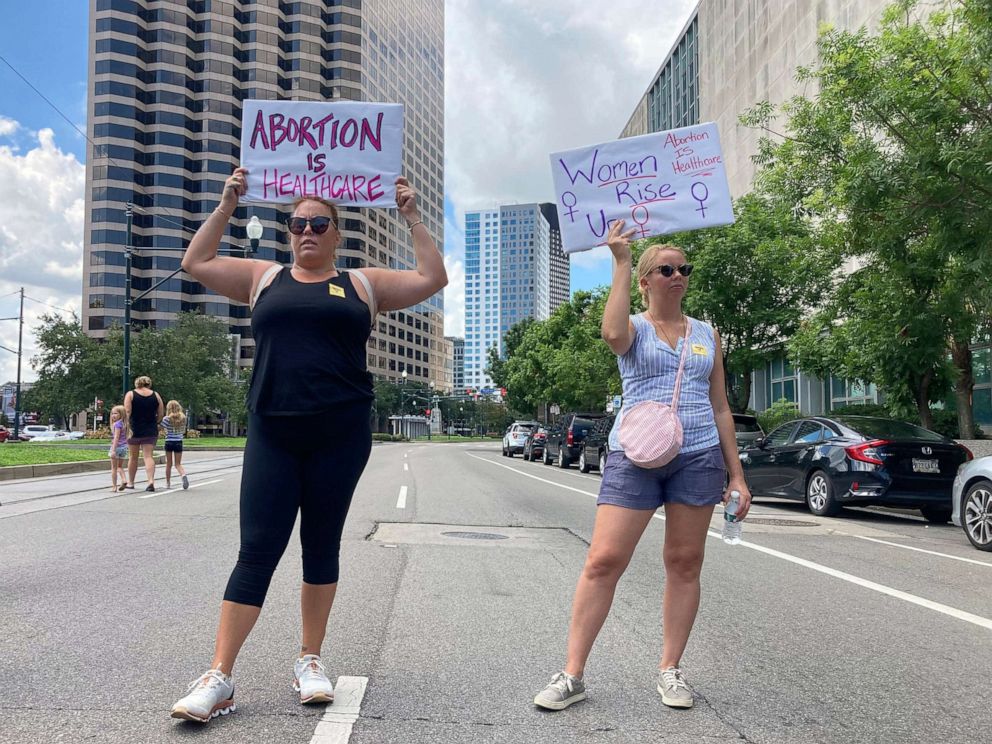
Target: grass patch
(454, 439)
(43, 454)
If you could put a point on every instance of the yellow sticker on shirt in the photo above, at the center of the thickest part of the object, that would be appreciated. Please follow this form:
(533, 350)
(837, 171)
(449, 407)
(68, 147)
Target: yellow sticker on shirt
(699, 349)
(335, 291)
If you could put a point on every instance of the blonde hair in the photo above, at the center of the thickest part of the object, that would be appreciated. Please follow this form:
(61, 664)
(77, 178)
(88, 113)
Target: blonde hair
(174, 412)
(119, 410)
(334, 217)
(647, 262)
(143, 382)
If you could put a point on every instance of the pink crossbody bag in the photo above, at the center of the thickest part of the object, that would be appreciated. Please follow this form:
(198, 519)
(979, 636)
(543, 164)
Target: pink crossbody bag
(650, 432)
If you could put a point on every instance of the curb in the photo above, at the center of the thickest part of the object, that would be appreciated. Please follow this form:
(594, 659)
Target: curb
(15, 472)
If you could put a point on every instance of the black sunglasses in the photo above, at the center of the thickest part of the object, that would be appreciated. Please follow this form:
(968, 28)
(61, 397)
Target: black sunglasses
(667, 269)
(318, 224)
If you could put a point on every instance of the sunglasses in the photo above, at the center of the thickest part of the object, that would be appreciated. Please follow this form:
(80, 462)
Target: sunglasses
(318, 224)
(667, 270)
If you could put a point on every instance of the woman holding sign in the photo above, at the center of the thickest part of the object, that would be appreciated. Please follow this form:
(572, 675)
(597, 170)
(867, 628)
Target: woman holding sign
(674, 455)
(311, 325)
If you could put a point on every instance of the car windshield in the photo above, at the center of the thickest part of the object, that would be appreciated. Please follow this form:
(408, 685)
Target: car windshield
(522, 428)
(746, 427)
(582, 426)
(880, 428)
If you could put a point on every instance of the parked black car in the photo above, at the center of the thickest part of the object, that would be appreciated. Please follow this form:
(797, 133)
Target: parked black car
(596, 445)
(534, 446)
(856, 460)
(747, 430)
(564, 442)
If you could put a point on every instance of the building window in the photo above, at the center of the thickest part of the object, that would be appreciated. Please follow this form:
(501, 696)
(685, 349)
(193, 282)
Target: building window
(851, 393)
(782, 381)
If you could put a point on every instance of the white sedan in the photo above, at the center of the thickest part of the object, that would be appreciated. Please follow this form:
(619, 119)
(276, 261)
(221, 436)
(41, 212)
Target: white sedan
(972, 501)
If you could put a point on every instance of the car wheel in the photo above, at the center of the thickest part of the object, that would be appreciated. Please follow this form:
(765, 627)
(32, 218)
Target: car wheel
(602, 463)
(546, 457)
(976, 515)
(584, 466)
(936, 514)
(509, 453)
(820, 495)
(562, 460)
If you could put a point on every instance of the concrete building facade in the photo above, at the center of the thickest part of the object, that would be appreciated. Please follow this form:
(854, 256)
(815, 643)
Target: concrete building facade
(164, 112)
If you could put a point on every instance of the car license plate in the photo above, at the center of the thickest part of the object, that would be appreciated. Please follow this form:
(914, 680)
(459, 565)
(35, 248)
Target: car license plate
(925, 466)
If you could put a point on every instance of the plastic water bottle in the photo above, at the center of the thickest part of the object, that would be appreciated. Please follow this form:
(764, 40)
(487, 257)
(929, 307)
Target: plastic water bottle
(732, 527)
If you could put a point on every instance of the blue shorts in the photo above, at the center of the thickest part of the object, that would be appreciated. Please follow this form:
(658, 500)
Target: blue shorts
(694, 479)
(121, 452)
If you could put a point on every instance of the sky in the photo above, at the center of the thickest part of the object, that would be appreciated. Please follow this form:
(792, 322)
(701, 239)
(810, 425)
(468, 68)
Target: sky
(523, 79)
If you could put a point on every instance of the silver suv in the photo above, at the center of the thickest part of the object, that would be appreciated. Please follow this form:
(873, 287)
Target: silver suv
(516, 436)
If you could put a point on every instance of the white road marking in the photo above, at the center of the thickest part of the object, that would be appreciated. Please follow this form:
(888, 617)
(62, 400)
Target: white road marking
(401, 501)
(921, 550)
(334, 727)
(153, 494)
(406, 466)
(857, 580)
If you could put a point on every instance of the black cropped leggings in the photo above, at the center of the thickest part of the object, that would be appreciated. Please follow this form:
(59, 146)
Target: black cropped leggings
(307, 464)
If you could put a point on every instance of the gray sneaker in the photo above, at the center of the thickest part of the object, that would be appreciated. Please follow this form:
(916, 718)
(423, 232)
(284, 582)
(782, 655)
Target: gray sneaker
(562, 691)
(675, 693)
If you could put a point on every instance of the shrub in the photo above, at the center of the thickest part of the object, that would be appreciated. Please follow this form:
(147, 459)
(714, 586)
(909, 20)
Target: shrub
(778, 413)
(383, 437)
(103, 432)
(865, 409)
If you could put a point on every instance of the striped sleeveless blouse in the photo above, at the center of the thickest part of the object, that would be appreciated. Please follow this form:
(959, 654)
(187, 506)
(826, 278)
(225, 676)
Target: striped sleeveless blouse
(648, 371)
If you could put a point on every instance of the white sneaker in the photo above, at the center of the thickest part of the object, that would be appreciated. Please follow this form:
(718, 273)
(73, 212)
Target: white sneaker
(310, 680)
(207, 697)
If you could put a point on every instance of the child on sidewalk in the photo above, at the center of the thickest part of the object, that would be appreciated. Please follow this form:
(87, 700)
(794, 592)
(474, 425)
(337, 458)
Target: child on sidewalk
(118, 448)
(174, 425)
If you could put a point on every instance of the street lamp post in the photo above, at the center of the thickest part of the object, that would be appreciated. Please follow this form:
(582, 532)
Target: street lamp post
(254, 230)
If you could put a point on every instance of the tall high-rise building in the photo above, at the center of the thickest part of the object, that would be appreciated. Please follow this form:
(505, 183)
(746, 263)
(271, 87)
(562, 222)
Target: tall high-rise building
(457, 363)
(514, 269)
(167, 85)
(561, 274)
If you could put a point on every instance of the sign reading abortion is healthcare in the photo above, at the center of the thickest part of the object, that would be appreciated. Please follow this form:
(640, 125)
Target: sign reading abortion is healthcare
(659, 183)
(346, 152)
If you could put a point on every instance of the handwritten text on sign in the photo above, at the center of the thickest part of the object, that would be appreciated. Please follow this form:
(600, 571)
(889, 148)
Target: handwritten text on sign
(659, 183)
(345, 152)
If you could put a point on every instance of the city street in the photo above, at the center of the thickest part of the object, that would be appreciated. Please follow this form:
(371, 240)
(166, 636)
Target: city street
(874, 627)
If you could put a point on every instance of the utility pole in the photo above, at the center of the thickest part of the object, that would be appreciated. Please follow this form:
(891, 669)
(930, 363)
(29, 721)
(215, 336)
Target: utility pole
(17, 395)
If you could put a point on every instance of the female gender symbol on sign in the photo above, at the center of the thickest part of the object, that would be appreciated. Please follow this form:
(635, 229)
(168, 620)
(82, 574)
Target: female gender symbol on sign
(571, 210)
(701, 199)
(633, 213)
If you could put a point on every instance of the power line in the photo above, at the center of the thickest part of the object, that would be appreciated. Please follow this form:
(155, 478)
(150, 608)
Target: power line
(54, 307)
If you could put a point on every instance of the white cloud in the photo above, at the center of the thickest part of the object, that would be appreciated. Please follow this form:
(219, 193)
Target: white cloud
(41, 239)
(525, 79)
(8, 126)
(454, 297)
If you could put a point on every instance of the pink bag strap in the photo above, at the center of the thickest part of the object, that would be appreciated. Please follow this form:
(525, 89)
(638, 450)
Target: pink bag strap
(678, 377)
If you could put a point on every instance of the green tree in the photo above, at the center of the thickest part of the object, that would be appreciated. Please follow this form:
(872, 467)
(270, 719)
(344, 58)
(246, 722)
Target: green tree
(895, 153)
(753, 281)
(66, 383)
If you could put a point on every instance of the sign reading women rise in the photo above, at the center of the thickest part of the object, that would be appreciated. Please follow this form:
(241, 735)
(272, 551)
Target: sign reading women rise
(659, 183)
(346, 152)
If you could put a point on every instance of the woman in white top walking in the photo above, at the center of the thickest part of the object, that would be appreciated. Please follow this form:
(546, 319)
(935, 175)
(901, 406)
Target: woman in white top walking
(649, 348)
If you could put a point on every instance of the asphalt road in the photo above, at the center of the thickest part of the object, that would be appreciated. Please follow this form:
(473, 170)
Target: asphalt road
(874, 627)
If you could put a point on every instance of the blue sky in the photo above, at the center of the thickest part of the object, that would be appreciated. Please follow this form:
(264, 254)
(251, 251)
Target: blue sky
(46, 41)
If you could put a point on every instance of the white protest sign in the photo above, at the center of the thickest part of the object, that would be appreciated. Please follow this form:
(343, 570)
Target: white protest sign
(346, 152)
(659, 183)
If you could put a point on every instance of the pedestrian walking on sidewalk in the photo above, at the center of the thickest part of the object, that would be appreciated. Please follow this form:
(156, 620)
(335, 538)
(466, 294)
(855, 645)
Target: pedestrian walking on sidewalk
(174, 426)
(144, 410)
(665, 358)
(311, 324)
(118, 448)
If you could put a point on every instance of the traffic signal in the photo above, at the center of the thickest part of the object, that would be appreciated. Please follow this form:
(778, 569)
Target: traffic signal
(427, 412)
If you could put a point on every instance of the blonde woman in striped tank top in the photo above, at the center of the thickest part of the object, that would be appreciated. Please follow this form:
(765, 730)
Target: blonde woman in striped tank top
(648, 347)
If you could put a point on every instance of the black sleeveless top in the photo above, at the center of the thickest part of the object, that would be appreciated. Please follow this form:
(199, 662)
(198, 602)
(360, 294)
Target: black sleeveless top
(144, 415)
(309, 347)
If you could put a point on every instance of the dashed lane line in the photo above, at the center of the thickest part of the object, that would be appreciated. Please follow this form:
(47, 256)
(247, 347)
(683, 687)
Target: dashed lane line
(850, 578)
(335, 726)
(153, 494)
(921, 550)
(401, 501)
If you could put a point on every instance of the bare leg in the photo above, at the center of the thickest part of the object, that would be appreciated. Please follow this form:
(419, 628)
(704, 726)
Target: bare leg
(114, 466)
(179, 463)
(614, 538)
(147, 449)
(132, 463)
(315, 606)
(168, 468)
(236, 622)
(685, 542)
